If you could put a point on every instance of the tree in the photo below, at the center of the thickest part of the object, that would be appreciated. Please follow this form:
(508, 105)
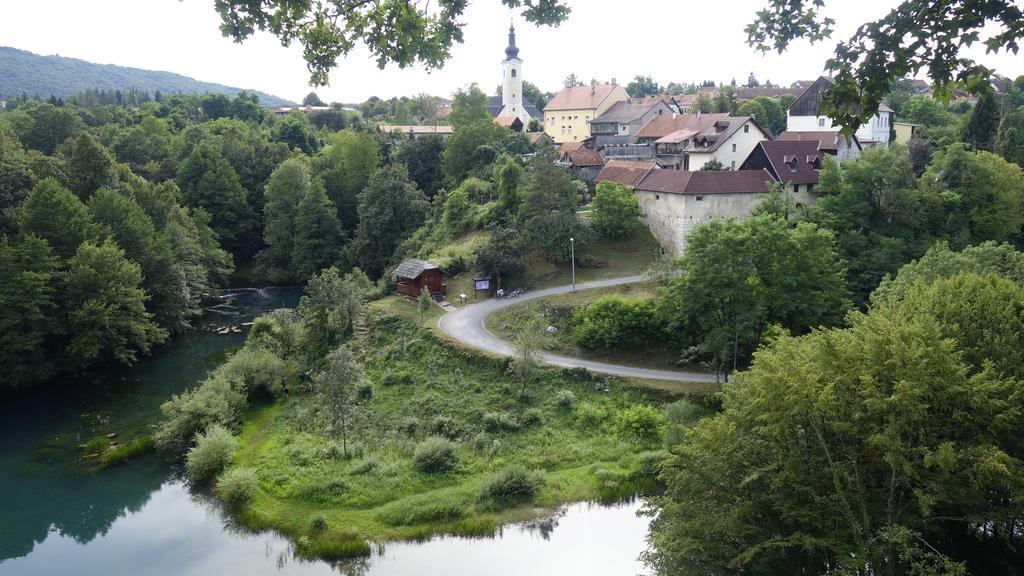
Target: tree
(548, 187)
(1010, 138)
(296, 131)
(106, 307)
(942, 262)
(209, 182)
(29, 317)
(526, 343)
(15, 180)
(336, 386)
(345, 165)
(752, 81)
(500, 257)
(615, 210)
(318, 235)
(312, 99)
(980, 130)
(571, 81)
(422, 158)
(328, 308)
(468, 106)
(916, 35)
(423, 303)
(550, 233)
(457, 213)
(643, 86)
(402, 34)
(390, 210)
(43, 126)
(162, 278)
(54, 214)
(837, 454)
(285, 190)
(767, 111)
(470, 148)
(508, 178)
(713, 165)
(739, 277)
(89, 167)
(534, 95)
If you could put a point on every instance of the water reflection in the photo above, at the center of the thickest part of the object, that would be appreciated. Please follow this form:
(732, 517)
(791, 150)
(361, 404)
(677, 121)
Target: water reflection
(179, 533)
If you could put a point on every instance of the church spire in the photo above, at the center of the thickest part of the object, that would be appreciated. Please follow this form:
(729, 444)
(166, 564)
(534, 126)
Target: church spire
(512, 51)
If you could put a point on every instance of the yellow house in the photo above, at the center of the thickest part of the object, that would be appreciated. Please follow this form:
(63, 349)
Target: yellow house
(567, 116)
(905, 132)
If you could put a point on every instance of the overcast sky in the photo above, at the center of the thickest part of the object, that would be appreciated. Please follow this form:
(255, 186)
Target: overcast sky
(671, 40)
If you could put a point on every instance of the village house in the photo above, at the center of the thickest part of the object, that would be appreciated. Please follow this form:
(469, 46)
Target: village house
(672, 202)
(511, 103)
(689, 142)
(568, 115)
(793, 163)
(803, 116)
(843, 148)
(623, 119)
(584, 162)
(904, 132)
(628, 173)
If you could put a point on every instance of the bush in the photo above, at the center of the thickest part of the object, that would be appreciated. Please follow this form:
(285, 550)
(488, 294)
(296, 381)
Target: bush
(185, 415)
(589, 415)
(532, 417)
(396, 378)
(237, 485)
(365, 466)
(318, 523)
(640, 422)
(435, 455)
(615, 210)
(445, 426)
(498, 421)
(511, 486)
(614, 322)
(255, 371)
(566, 399)
(212, 453)
(364, 391)
(410, 426)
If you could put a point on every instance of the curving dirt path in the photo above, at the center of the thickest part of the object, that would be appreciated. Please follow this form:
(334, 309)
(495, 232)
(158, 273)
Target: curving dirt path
(466, 325)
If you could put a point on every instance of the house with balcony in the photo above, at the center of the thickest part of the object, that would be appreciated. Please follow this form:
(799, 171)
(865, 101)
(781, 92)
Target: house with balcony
(689, 141)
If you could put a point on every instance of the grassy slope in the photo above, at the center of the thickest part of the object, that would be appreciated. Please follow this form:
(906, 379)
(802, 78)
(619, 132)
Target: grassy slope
(379, 496)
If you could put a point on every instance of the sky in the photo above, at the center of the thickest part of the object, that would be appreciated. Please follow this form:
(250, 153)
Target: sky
(670, 40)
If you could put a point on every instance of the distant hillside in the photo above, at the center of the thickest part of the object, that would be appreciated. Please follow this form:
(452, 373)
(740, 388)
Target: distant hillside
(22, 71)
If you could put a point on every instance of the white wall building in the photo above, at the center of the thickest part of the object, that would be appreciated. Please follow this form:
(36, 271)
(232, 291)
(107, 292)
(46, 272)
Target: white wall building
(802, 116)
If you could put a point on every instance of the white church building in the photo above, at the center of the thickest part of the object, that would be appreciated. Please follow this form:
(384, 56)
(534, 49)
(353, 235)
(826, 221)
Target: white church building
(511, 103)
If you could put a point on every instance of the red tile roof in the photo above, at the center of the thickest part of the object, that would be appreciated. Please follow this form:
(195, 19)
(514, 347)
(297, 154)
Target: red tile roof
(566, 147)
(507, 121)
(625, 172)
(663, 125)
(707, 182)
(584, 157)
(580, 97)
(791, 159)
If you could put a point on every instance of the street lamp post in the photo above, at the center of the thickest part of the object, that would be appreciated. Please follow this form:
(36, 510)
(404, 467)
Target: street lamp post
(572, 258)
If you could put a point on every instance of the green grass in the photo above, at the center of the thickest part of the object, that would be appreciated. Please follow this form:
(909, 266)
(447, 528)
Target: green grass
(376, 493)
(605, 258)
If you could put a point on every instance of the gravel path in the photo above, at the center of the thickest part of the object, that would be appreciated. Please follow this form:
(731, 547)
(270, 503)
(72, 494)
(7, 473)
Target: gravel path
(467, 326)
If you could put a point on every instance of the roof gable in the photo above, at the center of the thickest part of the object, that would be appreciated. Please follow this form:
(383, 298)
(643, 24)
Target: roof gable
(792, 161)
(809, 101)
(661, 126)
(413, 267)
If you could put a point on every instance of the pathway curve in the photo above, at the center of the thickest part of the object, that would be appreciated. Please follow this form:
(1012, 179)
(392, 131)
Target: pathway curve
(466, 325)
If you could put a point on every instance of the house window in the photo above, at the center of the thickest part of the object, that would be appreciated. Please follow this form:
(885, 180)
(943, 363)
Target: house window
(700, 198)
(796, 188)
(821, 122)
(810, 187)
(734, 162)
(746, 129)
(733, 147)
(657, 196)
(513, 72)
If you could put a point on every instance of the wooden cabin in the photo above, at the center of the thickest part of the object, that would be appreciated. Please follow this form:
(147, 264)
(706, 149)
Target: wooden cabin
(413, 275)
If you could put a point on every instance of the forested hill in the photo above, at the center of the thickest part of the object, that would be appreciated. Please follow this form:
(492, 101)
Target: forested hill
(32, 74)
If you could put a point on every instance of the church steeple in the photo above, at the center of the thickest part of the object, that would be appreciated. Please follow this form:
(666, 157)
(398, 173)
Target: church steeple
(512, 51)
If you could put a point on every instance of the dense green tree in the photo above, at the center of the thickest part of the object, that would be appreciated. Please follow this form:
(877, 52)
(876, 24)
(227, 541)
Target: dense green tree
(869, 450)
(615, 210)
(548, 187)
(422, 158)
(295, 130)
(54, 214)
(983, 195)
(43, 126)
(89, 167)
(215, 106)
(162, 278)
(982, 124)
(500, 257)
(469, 105)
(345, 165)
(312, 99)
(204, 263)
(508, 179)
(915, 36)
(390, 210)
(28, 310)
(470, 147)
(457, 214)
(766, 111)
(318, 234)
(15, 180)
(550, 233)
(739, 277)
(328, 308)
(147, 147)
(534, 95)
(942, 262)
(106, 308)
(209, 182)
(287, 186)
(642, 86)
(1010, 139)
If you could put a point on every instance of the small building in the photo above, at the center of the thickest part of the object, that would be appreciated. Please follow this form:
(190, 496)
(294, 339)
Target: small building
(511, 122)
(539, 139)
(585, 163)
(413, 275)
(568, 115)
(628, 173)
(795, 164)
(833, 143)
(905, 132)
(803, 116)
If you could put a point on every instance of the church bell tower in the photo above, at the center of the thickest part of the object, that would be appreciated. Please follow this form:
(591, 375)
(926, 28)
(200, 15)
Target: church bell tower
(512, 81)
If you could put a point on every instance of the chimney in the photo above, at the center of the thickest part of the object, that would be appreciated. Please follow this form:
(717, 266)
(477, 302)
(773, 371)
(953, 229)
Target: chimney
(614, 81)
(593, 89)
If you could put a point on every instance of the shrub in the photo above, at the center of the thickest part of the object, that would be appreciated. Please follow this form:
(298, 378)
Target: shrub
(213, 402)
(498, 421)
(683, 412)
(589, 415)
(237, 485)
(318, 523)
(566, 399)
(435, 455)
(511, 486)
(445, 426)
(410, 425)
(211, 454)
(396, 378)
(613, 321)
(364, 391)
(365, 466)
(255, 371)
(482, 441)
(532, 417)
(615, 210)
(96, 445)
(640, 422)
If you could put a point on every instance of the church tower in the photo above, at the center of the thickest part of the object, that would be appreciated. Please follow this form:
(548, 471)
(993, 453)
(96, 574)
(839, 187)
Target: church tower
(512, 81)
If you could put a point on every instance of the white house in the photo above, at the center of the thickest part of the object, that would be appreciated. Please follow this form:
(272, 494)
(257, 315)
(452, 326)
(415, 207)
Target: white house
(695, 140)
(802, 116)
